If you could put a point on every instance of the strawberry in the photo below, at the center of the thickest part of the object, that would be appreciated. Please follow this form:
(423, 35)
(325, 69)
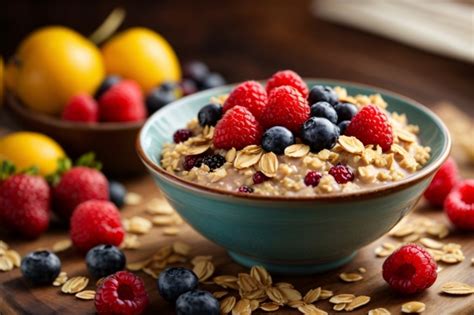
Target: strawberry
(81, 107)
(287, 77)
(122, 102)
(287, 108)
(249, 94)
(236, 129)
(371, 126)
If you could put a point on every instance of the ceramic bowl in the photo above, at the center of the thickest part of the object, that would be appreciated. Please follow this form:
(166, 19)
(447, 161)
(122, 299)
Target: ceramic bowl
(292, 235)
(113, 143)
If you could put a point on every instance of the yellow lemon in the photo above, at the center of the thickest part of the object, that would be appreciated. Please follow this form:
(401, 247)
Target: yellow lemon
(141, 55)
(26, 149)
(51, 65)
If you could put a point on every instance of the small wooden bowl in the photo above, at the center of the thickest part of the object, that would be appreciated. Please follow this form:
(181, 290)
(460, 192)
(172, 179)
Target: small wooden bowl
(113, 143)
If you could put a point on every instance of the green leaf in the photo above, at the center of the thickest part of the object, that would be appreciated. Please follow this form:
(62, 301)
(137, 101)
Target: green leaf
(88, 160)
(32, 170)
(7, 168)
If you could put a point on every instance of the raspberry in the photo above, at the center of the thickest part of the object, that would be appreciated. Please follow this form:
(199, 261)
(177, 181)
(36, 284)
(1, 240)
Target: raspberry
(287, 77)
(410, 269)
(259, 178)
(286, 107)
(191, 161)
(182, 135)
(122, 293)
(238, 128)
(443, 181)
(245, 189)
(213, 161)
(81, 107)
(341, 173)
(249, 94)
(96, 222)
(459, 205)
(122, 102)
(371, 126)
(312, 178)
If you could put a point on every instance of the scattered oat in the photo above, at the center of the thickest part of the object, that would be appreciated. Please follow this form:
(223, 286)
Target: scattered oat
(130, 241)
(227, 304)
(135, 266)
(350, 276)
(171, 231)
(342, 298)
(431, 243)
(457, 288)
(5, 264)
(203, 270)
(86, 295)
(310, 309)
(197, 259)
(75, 284)
(181, 248)
(133, 199)
(60, 279)
(326, 294)
(62, 245)
(413, 307)
(13, 256)
(297, 150)
(139, 225)
(227, 282)
(261, 275)
(220, 294)
(357, 302)
(291, 294)
(270, 307)
(163, 220)
(242, 307)
(379, 311)
(275, 295)
(159, 206)
(312, 295)
(339, 307)
(362, 270)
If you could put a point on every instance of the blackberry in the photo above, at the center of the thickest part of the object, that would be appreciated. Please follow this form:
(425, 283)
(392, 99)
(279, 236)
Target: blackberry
(182, 135)
(213, 161)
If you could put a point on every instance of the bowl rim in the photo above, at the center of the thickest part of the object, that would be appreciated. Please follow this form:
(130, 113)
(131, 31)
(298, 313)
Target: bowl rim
(15, 104)
(427, 171)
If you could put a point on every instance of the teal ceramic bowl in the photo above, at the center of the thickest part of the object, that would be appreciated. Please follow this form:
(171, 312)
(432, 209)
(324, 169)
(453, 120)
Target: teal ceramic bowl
(291, 235)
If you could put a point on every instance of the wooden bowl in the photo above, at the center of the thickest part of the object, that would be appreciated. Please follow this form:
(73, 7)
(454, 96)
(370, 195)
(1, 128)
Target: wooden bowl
(113, 143)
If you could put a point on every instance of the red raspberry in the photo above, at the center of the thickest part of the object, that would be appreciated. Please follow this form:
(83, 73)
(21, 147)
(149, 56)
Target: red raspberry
(96, 222)
(371, 126)
(250, 95)
(77, 185)
(238, 128)
(182, 135)
(286, 107)
(25, 205)
(459, 205)
(122, 293)
(312, 178)
(410, 269)
(259, 178)
(81, 107)
(444, 180)
(122, 102)
(287, 77)
(341, 173)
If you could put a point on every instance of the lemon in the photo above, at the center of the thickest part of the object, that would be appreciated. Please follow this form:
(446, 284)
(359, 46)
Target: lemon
(141, 55)
(51, 65)
(26, 149)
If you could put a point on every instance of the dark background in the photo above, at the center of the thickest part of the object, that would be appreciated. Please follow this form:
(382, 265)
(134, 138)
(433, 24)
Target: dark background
(251, 39)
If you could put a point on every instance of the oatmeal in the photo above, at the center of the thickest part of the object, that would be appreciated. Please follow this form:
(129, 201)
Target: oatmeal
(349, 155)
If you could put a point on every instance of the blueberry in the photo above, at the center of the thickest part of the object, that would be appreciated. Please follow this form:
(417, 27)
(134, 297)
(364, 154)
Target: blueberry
(324, 110)
(175, 281)
(104, 260)
(196, 71)
(276, 139)
(345, 111)
(212, 80)
(169, 86)
(41, 267)
(197, 302)
(319, 133)
(117, 193)
(158, 98)
(322, 93)
(343, 126)
(108, 82)
(188, 87)
(210, 115)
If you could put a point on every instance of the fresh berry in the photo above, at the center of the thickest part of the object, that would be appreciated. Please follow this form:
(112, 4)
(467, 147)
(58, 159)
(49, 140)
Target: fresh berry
(175, 281)
(249, 94)
(343, 126)
(345, 111)
(117, 193)
(122, 293)
(209, 115)
(40, 267)
(371, 126)
(81, 107)
(159, 97)
(319, 133)
(212, 80)
(182, 135)
(77, 185)
(410, 269)
(191, 161)
(25, 205)
(108, 82)
(443, 181)
(188, 87)
(259, 178)
(214, 161)
(104, 260)
(197, 302)
(245, 189)
(341, 173)
(287, 77)
(196, 71)
(459, 205)
(96, 222)
(276, 139)
(312, 178)
(122, 102)
(237, 129)
(321, 93)
(324, 110)
(169, 86)
(286, 107)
